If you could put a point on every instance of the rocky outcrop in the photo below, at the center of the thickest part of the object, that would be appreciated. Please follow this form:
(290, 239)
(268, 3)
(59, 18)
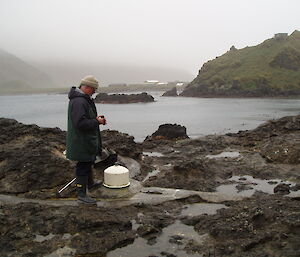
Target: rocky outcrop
(32, 160)
(122, 143)
(260, 224)
(278, 141)
(244, 73)
(123, 98)
(169, 132)
(32, 163)
(171, 92)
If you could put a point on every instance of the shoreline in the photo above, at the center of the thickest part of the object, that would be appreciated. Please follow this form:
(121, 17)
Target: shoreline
(222, 186)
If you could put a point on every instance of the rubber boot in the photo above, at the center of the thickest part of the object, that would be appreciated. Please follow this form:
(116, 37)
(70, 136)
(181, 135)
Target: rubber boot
(91, 182)
(81, 184)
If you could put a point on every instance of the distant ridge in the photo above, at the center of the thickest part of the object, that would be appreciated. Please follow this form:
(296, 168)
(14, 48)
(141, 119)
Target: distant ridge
(271, 68)
(19, 76)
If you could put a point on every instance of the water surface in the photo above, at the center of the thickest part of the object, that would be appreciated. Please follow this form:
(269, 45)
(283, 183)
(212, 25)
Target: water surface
(201, 116)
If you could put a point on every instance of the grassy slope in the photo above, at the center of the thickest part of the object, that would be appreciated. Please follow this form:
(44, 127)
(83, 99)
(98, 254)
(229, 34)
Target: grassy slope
(251, 64)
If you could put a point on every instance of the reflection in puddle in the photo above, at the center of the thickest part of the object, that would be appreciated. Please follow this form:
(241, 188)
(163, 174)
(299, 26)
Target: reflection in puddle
(224, 155)
(153, 154)
(252, 185)
(201, 208)
(172, 241)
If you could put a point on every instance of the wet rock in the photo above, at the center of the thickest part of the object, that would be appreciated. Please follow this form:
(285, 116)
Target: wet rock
(123, 98)
(171, 92)
(282, 149)
(271, 128)
(243, 187)
(122, 143)
(296, 187)
(255, 226)
(168, 254)
(32, 160)
(90, 230)
(169, 132)
(282, 189)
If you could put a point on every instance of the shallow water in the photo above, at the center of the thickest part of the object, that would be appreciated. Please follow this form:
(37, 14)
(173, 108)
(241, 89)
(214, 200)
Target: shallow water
(172, 241)
(224, 155)
(201, 116)
(253, 185)
(153, 154)
(201, 208)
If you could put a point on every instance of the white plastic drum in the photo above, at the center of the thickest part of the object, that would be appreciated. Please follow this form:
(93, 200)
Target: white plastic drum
(116, 176)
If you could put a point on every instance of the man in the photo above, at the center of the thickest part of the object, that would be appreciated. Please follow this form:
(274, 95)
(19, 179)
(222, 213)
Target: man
(83, 136)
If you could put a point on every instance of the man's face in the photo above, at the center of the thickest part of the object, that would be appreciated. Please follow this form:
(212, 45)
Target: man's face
(89, 90)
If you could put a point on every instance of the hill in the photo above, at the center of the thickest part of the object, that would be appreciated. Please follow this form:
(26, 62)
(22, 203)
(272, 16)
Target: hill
(19, 76)
(271, 68)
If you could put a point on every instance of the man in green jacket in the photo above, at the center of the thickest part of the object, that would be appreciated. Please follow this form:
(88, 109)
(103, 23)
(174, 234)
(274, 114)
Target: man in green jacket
(83, 136)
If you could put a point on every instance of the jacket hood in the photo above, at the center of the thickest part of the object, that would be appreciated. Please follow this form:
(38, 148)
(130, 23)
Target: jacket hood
(76, 92)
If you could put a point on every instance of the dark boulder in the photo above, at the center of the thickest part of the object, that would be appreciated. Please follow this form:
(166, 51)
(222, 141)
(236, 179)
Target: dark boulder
(122, 143)
(123, 98)
(282, 189)
(171, 92)
(169, 132)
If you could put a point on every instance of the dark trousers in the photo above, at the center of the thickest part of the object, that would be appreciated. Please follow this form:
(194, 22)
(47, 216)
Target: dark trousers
(83, 168)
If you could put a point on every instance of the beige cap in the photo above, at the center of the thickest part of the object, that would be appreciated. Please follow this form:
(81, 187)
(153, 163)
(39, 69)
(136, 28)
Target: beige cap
(90, 81)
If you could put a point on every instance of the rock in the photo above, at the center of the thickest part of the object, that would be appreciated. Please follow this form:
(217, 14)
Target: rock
(282, 189)
(122, 143)
(282, 149)
(123, 98)
(169, 132)
(32, 160)
(243, 187)
(171, 92)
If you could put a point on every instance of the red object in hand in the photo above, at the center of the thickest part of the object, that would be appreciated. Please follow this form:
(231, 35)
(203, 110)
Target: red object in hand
(104, 120)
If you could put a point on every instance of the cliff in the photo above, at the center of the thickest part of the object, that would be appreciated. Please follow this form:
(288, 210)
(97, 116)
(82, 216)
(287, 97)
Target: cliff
(268, 69)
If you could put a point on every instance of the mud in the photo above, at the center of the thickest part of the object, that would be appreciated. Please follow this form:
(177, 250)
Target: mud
(229, 195)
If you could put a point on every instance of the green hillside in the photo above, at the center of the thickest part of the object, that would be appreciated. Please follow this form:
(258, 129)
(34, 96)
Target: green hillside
(271, 68)
(19, 76)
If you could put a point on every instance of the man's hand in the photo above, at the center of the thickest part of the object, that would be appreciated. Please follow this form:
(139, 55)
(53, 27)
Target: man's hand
(101, 119)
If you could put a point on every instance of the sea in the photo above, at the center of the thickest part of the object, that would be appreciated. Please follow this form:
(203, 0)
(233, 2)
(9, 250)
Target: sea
(200, 116)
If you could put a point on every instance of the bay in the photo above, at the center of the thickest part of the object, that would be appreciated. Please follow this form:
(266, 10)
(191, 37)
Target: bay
(201, 116)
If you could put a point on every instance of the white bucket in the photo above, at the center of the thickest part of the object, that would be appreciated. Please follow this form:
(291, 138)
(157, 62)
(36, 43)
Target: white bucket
(116, 176)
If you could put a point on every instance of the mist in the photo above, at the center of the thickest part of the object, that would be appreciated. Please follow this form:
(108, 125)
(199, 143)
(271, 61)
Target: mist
(166, 36)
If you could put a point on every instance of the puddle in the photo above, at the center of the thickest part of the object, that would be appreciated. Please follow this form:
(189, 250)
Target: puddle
(171, 242)
(151, 174)
(134, 225)
(201, 208)
(66, 236)
(252, 185)
(153, 154)
(40, 238)
(62, 252)
(224, 155)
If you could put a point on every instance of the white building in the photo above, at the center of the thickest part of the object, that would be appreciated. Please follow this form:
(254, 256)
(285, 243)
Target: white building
(152, 82)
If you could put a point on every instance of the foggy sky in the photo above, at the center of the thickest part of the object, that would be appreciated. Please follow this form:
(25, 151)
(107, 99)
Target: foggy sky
(166, 33)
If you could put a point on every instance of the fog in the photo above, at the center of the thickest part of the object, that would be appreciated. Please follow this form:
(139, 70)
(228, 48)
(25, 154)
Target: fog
(165, 34)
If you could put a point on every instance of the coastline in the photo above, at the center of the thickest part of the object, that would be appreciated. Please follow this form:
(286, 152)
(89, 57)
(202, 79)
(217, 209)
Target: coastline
(221, 186)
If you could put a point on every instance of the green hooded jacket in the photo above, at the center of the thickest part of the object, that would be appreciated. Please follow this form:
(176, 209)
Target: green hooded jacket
(83, 135)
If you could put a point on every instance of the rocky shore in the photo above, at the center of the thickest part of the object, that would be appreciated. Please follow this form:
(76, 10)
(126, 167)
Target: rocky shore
(218, 195)
(104, 98)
